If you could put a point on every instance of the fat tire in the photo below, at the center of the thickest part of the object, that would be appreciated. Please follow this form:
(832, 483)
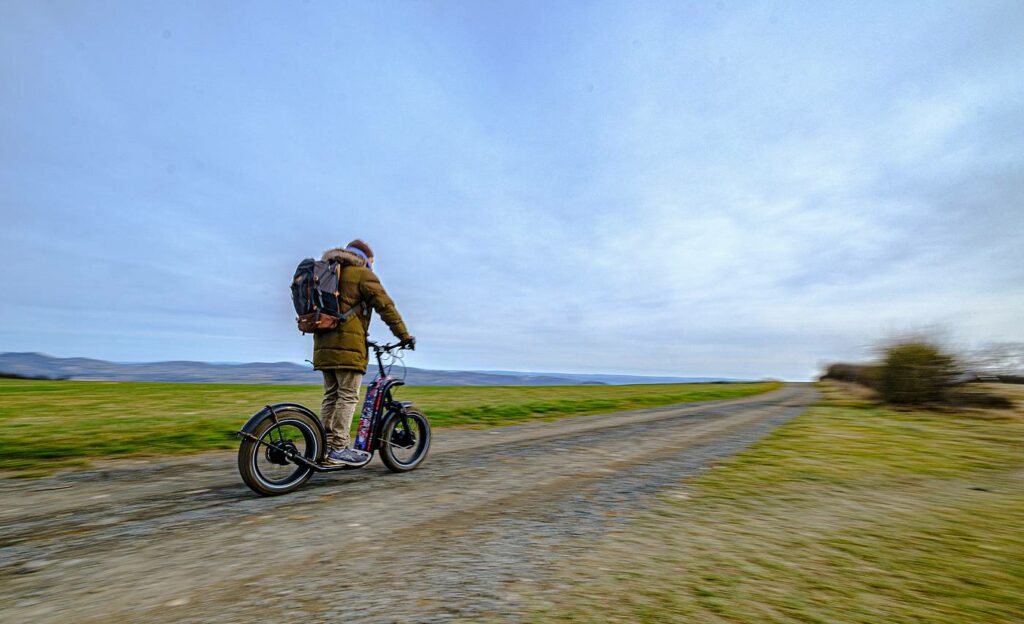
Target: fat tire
(249, 448)
(386, 455)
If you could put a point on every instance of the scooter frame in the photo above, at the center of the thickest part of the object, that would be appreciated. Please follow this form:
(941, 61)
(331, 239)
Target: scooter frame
(379, 405)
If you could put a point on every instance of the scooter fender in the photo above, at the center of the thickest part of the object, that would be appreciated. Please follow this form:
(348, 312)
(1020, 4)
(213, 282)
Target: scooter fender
(254, 420)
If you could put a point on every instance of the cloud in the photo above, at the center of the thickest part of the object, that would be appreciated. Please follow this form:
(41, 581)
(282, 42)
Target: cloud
(741, 191)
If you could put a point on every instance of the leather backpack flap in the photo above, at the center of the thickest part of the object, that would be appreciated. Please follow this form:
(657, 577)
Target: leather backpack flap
(326, 322)
(317, 322)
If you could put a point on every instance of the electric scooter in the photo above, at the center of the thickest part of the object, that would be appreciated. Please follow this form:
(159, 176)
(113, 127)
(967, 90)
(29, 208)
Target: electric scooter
(285, 443)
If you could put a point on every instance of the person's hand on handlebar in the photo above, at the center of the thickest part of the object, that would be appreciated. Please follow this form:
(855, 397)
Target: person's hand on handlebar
(409, 342)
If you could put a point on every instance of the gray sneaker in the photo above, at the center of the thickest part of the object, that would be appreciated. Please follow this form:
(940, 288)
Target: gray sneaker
(346, 456)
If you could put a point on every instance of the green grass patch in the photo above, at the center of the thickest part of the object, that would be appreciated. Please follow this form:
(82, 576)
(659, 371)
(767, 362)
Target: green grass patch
(46, 425)
(849, 513)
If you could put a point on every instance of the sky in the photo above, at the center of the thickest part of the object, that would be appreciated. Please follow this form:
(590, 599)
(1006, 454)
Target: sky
(726, 188)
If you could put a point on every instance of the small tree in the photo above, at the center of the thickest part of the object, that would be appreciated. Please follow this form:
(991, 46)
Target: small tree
(916, 371)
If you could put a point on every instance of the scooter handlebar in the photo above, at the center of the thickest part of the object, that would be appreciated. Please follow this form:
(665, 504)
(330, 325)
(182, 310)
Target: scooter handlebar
(384, 348)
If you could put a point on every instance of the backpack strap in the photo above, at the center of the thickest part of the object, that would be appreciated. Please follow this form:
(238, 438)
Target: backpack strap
(351, 311)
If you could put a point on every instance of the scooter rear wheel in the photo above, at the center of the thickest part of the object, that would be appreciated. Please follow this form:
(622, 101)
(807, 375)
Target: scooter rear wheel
(265, 466)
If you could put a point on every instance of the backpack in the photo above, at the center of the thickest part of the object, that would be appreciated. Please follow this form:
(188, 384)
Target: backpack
(315, 289)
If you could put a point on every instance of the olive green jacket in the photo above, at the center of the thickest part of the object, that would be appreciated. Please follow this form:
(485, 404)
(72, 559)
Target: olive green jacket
(345, 347)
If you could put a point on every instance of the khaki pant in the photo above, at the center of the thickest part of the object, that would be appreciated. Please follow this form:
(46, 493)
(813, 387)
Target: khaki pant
(341, 395)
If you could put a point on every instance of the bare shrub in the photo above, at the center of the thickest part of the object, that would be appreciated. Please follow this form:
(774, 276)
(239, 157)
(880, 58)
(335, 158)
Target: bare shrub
(998, 360)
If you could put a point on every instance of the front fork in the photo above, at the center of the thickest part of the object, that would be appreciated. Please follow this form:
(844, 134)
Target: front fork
(400, 408)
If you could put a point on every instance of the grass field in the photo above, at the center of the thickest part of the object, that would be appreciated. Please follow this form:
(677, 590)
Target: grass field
(849, 513)
(45, 425)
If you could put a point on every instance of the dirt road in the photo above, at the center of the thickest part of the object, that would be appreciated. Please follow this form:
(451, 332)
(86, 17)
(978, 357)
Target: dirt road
(459, 539)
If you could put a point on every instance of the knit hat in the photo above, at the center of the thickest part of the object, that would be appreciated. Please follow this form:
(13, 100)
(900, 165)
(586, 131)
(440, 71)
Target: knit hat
(361, 246)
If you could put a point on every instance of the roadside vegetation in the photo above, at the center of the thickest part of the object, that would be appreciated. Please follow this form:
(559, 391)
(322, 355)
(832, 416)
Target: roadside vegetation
(851, 512)
(919, 371)
(46, 425)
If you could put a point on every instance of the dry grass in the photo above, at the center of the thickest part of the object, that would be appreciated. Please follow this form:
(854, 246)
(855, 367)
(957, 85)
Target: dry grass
(849, 513)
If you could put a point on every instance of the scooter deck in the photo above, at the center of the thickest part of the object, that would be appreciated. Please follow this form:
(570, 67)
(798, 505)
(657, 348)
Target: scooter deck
(306, 462)
(336, 468)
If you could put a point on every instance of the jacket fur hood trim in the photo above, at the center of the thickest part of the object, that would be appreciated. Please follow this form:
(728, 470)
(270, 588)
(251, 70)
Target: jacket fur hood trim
(344, 256)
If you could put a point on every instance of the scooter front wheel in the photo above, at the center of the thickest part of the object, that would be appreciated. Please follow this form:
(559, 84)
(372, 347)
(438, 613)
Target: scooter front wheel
(404, 440)
(266, 466)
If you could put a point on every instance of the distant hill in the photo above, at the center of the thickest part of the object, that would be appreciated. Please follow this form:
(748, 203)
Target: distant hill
(39, 365)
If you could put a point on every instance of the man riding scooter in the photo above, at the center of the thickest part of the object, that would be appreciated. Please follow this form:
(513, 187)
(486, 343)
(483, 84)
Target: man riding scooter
(341, 354)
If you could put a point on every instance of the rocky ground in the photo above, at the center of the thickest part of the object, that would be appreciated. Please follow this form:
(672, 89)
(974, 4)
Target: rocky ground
(461, 538)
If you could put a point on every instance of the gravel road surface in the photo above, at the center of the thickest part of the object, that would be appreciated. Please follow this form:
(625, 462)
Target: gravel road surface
(463, 538)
